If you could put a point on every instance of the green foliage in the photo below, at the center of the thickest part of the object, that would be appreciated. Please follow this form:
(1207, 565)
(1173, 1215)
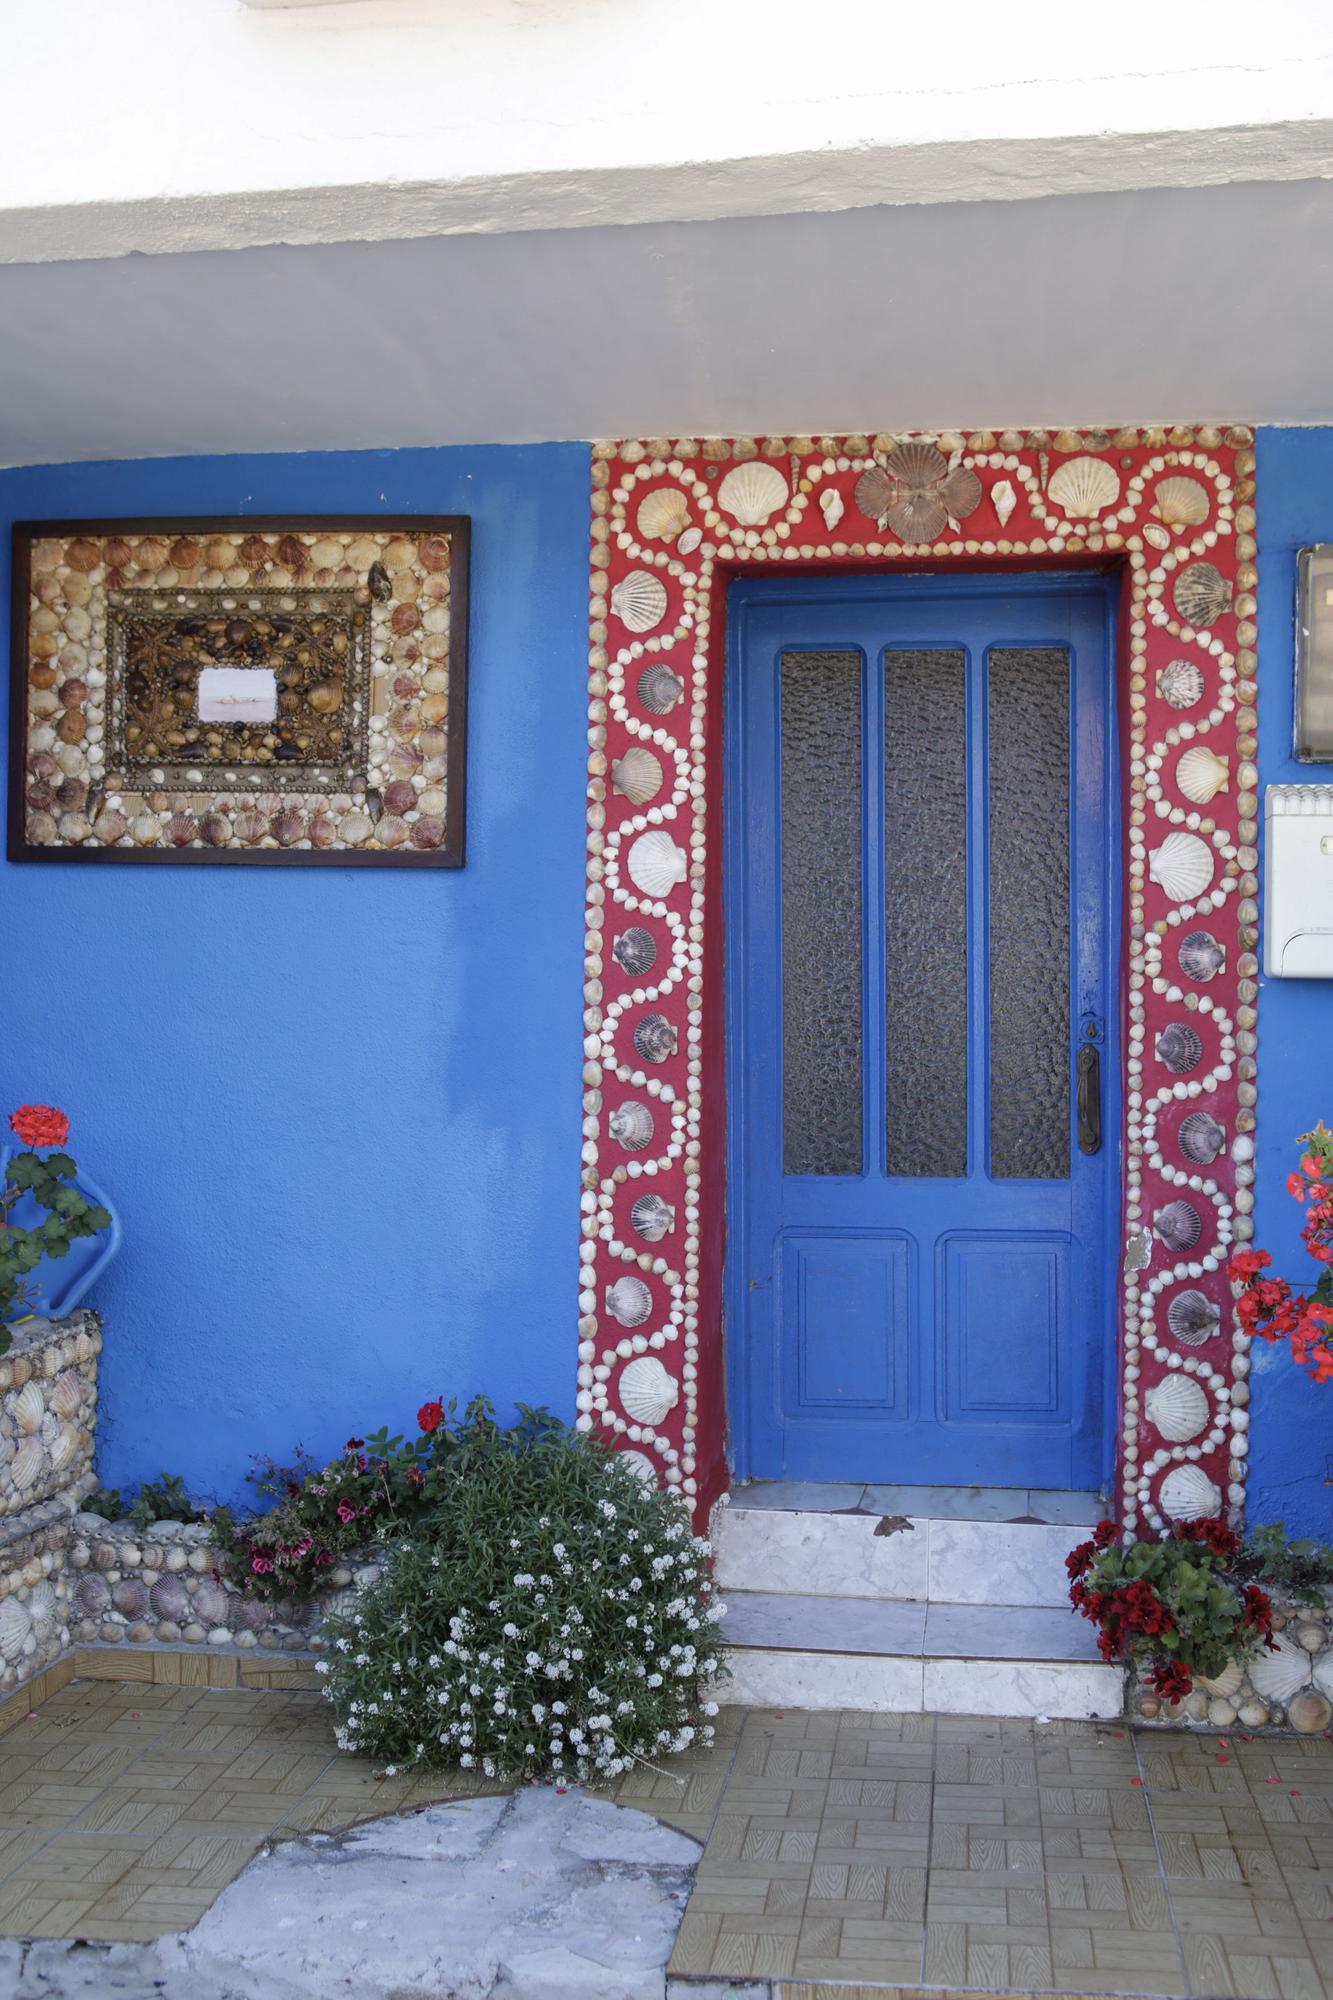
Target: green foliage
(68, 1217)
(1299, 1568)
(165, 1498)
(107, 1502)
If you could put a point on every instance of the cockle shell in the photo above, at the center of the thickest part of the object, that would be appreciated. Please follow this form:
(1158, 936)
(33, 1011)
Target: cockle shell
(635, 951)
(660, 689)
(1181, 502)
(1201, 1138)
(1188, 1494)
(63, 1446)
(640, 1465)
(15, 1626)
(639, 600)
(1201, 594)
(751, 492)
(1192, 1317)
(42, 1602)
(1225, 1684)
(1180, 684)
(1200, 956)
(832, 507)
(662, 514)
(629, 1300)
(1182, 865)
(1180, 1047)
(637, 776)
(652, 1217)
(1178, 1407)
(1202, 774)
(631, 1123)
(647, 1391)
(655, 1038)
(1178, 1225)
(66, 1393)
(29, 1408)
(1278, 1675)
(656, 864)
(1003, 499)
(1084, 487)
(27, 1463)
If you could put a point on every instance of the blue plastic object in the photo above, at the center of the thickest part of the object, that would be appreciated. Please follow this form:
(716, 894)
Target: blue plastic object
(59, 1283)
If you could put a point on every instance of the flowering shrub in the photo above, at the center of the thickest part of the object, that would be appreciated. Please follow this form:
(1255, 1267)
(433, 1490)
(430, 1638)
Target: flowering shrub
(68, 1214)
(551, 1616)
(1270, 1308)
(1176, 1607)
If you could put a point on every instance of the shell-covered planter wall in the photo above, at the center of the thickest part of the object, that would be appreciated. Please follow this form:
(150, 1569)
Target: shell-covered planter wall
(1291, 1688)
(48, 1411)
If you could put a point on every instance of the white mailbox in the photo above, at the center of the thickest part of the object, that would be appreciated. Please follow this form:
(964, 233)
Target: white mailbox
(1298, 882)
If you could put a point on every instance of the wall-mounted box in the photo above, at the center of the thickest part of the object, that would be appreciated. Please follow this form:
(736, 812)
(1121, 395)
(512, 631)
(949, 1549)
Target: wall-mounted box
(1312, 734)
(1298, 882)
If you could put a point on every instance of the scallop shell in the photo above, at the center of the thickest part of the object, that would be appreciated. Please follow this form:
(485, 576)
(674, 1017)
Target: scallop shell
(640, 1465)
(1003, 499)
(1180, 684)
(27, 1463)
(652, 1217)
(1084, 487)
(1188, 1494)
(686, 544)
(63, 1446)
(832, 506)
(656, 864)
(66, 1396)
(660, 689)
(631, 1123)
(1201, 1138)
(1202, 774)
(1178, 1407)
(1180, 1047)
(1200, 956)
(1323, 1672)
(1182, 865)
(1178, 1225)
(1193, 1317)
(1225, 1684)
(629, 1300)
(639, 600)
(42, 1602)
(753, 491)
(662, 514)
(637, 776)
(635, 951)
(655, 1038)
(15, 1625)
(647, 1391)
(29, 1409)
(1181, 502)
(1201, 594)
(1278, 1675)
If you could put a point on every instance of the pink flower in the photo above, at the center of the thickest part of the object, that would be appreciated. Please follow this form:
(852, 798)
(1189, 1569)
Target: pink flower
(261, 1565)
(346, 1511)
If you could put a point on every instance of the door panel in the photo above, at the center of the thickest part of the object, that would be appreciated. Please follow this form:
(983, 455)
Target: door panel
(920, 843)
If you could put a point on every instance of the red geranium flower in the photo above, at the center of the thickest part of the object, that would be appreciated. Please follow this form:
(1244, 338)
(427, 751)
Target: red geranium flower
(1172, 1680)
(40, 1125)
(430, 1416)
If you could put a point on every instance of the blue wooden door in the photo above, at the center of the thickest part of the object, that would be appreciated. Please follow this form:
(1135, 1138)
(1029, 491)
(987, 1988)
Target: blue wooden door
(920, 882)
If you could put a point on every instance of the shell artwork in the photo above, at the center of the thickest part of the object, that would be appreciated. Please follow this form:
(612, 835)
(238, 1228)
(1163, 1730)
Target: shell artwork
(1200, 956)
(652, 1217)
(629, 1300)
(752, 491)
(1180, 502)
(639, 600)
(686, 544)
(662, 514)
(66, 1394)
(1225, 1684)
(1180, 1047)
(631, 1123)
(27, 1463)
(655, 1038)
(1178, 1225)
(63, 1446)
(635, 951)
(1193, 1317)
(647, 1391)
(832, 506)
(640, 1465)
(15, 1625)
(1003, 499)
(1180, 684)
(1323, 1672)
(29, 1409)
(656, 864)
(1183, 866)
(1201, 1138)
(1188, 1494)
(1278, 1675)
(1178, 1407)
(42, 1603)
(1202, 774)
(1156, 536)
(637, 776)
(660, 689)
(1084, 487)
(1201, 594)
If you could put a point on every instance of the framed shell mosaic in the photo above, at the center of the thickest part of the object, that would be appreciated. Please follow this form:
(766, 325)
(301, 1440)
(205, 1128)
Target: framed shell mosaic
(240, 690)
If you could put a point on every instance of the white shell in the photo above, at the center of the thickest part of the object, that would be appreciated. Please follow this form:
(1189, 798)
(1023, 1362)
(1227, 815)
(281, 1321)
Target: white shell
(1188, 1494)
(656, 864)
(639, 600)
(640, 1465)
(63, 1446)
(1323, 1672)
(1202, 774)
(27, 1463)
(662, 514)
(42, 1602)
(1181, 502)
(686, 544)
(831, 506)
(1156, 537)
(1003, 499)
(751, 492)
(1178, 1407)
(637, 776)
(15, 1625)
(29, 1409)
(1279, 1674)
(1084, 487)
(1182, 865)
(629, 1300)
(631, 1124)
(1228, 1682)
(1180, 683)
(647, 1391)
(66, 1396)
(652, 1217)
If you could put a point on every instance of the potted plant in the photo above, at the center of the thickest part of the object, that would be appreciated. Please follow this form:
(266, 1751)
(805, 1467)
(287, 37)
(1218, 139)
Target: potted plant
(46, 1208)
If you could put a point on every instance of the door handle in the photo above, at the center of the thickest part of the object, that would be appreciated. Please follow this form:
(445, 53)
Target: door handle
(1089, 1067)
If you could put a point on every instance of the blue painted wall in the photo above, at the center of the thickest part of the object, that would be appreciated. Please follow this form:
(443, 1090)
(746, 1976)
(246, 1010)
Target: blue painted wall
(339, 1109)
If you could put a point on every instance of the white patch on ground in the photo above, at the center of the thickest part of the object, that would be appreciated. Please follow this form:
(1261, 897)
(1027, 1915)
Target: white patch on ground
(542, 1896)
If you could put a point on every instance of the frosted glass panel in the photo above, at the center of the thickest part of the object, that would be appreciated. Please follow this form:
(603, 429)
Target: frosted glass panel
(925, 912)
(1029, 912)
(821, 913)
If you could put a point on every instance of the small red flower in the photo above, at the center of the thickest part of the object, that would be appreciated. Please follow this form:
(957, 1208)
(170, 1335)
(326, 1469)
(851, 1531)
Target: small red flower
(415, 1476)
(353, 1444)
(1172, 1680)
(346, 1511)
(40, 1125)
(430, 1416)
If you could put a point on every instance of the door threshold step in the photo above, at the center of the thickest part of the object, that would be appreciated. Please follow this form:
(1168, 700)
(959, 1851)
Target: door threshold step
(878, 1626)
(1054, 1507)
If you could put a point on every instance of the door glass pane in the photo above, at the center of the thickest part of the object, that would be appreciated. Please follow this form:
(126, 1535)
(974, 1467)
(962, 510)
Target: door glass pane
(925, 911)
(1029, 912)
(821, 913)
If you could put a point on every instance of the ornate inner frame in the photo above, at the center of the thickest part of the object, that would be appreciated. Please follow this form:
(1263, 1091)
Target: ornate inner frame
(1172, 511)
(240, 690)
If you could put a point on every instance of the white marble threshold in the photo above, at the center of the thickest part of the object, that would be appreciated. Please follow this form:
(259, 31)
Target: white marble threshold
(886, 1628)
(1044, 1690)
(1049, 1507)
